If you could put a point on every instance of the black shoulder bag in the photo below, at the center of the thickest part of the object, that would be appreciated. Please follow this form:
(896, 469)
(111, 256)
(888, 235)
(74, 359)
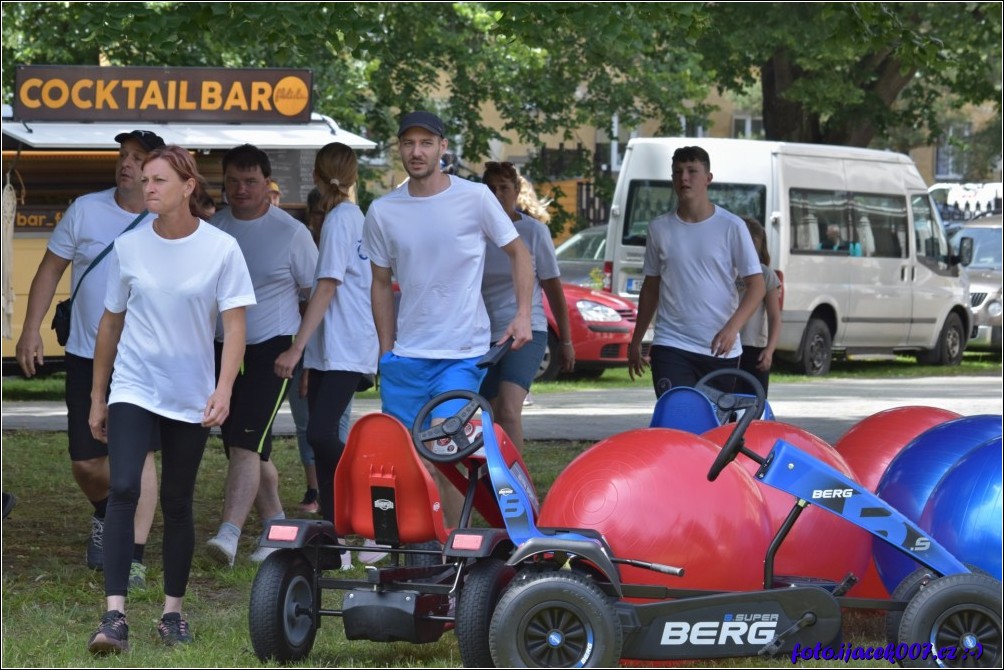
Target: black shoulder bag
(61, 319)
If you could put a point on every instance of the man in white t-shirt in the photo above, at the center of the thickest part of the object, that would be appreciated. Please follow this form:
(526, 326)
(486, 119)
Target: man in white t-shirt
(692, 259)
(281, 257)
(87, 228)
(430, 234)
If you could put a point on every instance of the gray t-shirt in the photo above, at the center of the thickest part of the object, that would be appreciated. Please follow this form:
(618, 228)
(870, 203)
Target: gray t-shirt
(496, 284)
(754, 333)
(281, 256)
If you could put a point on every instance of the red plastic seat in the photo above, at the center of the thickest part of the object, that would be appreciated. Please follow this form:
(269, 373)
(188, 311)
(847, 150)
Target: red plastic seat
(383, 491)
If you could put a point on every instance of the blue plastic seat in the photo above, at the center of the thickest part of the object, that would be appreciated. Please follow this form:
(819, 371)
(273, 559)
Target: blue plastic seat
(684, 408)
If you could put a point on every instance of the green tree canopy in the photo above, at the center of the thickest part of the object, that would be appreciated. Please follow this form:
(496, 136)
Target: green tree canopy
(841, 73)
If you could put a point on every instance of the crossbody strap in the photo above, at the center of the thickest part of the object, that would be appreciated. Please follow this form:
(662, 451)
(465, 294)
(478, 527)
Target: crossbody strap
(104, 252)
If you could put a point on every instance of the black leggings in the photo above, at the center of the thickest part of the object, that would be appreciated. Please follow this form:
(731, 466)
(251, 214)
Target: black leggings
(132, 433)
(329, 392)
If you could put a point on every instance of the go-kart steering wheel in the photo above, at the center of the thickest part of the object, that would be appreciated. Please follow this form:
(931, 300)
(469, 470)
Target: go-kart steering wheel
(730, 402)
(452, 428)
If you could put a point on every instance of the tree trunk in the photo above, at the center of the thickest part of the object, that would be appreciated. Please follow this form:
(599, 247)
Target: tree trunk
(784, 120)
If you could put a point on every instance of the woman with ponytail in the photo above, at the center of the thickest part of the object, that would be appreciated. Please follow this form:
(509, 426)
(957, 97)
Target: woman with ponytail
(337, 338)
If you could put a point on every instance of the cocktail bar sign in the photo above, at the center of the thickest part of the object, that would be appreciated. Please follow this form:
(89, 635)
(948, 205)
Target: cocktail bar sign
(153, 94)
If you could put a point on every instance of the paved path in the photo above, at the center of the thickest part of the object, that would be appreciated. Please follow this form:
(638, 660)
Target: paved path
(825, 407)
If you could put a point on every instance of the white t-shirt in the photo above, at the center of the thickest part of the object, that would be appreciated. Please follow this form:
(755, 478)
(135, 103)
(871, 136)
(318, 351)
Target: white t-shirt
(89, 225)
(754, 333)
(435, 246)
(282, 257)
(172, 292)
(346, 339)
(497, 287)
(698, 264)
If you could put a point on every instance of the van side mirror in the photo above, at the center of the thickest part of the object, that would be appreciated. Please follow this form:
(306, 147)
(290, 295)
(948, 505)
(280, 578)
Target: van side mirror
(965, 255)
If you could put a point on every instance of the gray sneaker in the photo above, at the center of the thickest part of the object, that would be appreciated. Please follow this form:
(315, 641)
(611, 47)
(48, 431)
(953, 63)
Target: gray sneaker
(223, 549)
(96, 545)
(137, 576)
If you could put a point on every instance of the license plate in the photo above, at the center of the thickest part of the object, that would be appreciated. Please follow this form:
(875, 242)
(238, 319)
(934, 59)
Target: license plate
(634, 284)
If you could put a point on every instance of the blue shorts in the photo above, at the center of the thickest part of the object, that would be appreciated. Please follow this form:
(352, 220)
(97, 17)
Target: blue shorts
(518, 366)
(406, 384)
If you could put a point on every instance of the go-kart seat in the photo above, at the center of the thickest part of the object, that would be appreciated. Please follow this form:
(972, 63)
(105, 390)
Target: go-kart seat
(686, 409)
(383, 491)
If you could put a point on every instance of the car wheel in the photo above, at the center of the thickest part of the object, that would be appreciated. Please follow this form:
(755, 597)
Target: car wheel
(816, 350)
(950, 346)
(550, 366)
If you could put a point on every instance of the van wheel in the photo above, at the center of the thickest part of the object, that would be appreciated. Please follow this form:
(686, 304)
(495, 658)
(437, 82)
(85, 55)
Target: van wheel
(816, 350)
(950, 346)
(550, 366)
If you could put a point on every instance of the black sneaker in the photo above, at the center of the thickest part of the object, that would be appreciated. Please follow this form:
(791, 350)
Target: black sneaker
(96, 545)
(173, 630)
(112, 635)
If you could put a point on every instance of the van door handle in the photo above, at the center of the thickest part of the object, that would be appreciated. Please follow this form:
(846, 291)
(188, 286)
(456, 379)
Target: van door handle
(902, 273)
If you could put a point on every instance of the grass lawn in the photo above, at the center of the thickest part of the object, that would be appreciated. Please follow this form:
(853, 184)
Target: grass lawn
(52, 602)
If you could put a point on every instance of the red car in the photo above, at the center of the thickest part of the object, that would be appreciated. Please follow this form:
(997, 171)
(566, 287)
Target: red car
(602, 325)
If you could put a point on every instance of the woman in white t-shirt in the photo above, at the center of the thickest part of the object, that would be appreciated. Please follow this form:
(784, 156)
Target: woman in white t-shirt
(337, 337)
(166, 285)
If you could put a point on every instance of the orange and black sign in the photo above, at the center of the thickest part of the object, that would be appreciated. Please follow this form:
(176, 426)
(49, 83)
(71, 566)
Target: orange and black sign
(153, 94)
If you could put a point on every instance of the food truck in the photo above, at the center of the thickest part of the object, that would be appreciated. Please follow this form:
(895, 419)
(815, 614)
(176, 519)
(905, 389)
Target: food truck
(59, 143)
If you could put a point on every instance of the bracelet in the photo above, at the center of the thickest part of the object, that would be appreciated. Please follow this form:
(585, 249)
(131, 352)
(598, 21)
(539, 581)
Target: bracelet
(566, 344)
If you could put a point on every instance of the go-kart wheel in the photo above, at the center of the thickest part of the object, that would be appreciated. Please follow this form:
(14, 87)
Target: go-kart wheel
(434, 557)
(482, 587)
(905, 591)
(282, 612)
(730, 402)
(961, 613)
(452, 428)
(557, 619)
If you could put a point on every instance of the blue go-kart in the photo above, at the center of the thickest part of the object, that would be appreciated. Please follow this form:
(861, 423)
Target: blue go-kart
(554, 597)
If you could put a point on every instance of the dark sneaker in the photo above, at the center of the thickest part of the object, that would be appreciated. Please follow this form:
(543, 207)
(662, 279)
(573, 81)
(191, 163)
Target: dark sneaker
(96, 545)
(112, 635)
(309, 503)
(137, 576)
(173, 630)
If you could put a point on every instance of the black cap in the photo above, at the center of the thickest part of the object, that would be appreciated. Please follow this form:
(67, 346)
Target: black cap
(426, 120)
(149, 139)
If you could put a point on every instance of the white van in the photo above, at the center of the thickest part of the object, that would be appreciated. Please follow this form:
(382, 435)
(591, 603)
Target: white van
(886, 282)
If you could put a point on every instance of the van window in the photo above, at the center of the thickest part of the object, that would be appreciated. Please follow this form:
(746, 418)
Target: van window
(648, 199)
(879, 225)
(818, 222)
(932, 247)
(848, 224)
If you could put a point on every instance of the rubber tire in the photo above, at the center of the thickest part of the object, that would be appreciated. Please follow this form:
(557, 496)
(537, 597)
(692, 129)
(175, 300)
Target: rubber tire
(539, 604)
(905, 591)
(951, 344)
(483, 585)
(283, 585)
(949, 607)
(424, 560)
(550, 365)
(816, 351)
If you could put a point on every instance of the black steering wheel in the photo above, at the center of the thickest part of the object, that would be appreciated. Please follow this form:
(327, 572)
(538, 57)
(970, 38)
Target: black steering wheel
(728, 403)
(453, 428)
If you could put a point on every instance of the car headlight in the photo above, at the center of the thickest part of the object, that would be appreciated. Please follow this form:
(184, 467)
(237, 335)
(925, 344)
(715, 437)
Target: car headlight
(994, 308)
(595, 312)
